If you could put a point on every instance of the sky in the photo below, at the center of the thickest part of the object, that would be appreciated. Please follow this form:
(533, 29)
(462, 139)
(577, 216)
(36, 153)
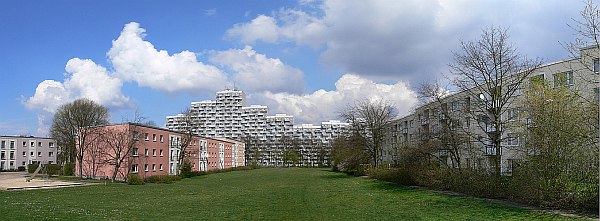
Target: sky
(307, 58)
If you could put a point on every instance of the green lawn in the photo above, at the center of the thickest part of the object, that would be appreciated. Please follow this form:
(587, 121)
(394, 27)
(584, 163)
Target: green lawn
(263, 194)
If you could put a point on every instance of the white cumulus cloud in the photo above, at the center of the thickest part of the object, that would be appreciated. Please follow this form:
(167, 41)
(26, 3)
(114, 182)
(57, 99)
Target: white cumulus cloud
(84, 79)
(135, 59)
(256, 72)
(325, 105)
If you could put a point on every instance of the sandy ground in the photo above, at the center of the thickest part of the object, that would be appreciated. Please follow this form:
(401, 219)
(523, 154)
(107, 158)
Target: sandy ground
(16, 181)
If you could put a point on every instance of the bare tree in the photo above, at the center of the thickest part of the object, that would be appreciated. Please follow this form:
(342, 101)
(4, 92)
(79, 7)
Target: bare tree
(370, 119)
(448, 137)
(491, 71)
(187, 135)
(120, 144)
(71, 127)
(95, 153)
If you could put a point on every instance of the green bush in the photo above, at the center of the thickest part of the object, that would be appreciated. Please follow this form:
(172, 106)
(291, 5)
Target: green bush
(69, 169)
(395, 175)
(186, 170)
(32, 167)
(134, 179)
(21, 168)
(162, 179)
(52, 169)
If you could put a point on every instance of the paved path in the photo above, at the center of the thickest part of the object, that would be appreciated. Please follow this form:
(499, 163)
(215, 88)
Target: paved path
(16, 181)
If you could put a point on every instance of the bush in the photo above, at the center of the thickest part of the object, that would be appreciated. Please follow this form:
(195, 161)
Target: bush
(69, 169)
(186, 170)
(21, 168)
(162, 179)
(400, 176)
(32, 167)
(134, 179)
(52, 169)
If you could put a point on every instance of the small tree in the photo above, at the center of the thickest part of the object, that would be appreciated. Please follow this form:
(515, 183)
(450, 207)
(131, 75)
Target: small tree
(491, 71)
(370, 120)
(71, 126)
(187, 137)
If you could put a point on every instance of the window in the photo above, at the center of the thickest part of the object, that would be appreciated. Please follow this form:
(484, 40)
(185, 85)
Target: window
(2, 155)
(454, 106)
(154, 137)
(24, 154)
(51, 144)
(161, 138)
(161, 153)
(412, 123)
(136, 136)
(23, 163)
(24, 143)
(153, 167)
(146, 152)
(12, 155)
(32, 143)
(512, 140)
(145, 136)
(39, 154)
(160, 167)
(3, 144)
(50, 154)
(134, 168)
(31, 154)
(596, 66)
(39, 144)
(146, 167)
(511, 114)
(12, 144)
(153, 152)
(563, 79)
(135, 151)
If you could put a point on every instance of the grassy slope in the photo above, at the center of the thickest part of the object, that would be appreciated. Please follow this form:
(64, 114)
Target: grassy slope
(271, 194)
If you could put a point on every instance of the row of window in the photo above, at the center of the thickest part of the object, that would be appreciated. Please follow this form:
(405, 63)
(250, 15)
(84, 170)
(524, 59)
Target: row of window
(135, 152)
(3, 144)
(12, 154)
(134, 168)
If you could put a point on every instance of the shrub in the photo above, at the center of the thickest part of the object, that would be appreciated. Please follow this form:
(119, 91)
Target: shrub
(21, 168)
(32, 167)
(162, 179)
(52, 169)
(395, 175)
(186, 170)
(134, 179)
(69, 169)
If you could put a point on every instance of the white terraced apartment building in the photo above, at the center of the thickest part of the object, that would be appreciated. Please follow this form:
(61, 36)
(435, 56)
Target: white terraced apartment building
(427, 121)
(266, 136)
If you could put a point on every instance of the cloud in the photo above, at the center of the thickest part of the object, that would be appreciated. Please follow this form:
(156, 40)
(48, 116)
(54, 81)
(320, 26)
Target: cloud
(135, 59)
(84, 79)
(210, 12)
(256, 72)
(324, 105)
(410, 40)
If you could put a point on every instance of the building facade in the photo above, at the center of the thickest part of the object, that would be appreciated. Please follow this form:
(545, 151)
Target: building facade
(147, 151)
(20, 151)
(456, 117)
(267, 137)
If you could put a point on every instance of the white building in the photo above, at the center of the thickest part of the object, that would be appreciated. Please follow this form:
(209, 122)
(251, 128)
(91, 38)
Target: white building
(20, 151)
(266, 136)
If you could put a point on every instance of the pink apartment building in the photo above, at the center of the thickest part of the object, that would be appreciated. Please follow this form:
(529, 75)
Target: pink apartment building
(147, 151)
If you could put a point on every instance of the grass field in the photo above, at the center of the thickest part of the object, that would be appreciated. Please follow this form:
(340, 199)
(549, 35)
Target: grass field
(263, 194)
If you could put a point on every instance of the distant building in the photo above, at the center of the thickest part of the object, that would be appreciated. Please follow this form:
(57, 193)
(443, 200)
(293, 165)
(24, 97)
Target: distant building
(267, 136)
(20, 151)
(458, 114)
(155, 152)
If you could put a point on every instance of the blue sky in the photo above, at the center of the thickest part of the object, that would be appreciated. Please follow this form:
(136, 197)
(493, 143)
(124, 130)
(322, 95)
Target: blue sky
(305, 58)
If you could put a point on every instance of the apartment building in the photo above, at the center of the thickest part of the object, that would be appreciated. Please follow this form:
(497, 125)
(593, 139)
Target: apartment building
(155, 151)
(266, 136)
(20, 151)
(456, 113)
